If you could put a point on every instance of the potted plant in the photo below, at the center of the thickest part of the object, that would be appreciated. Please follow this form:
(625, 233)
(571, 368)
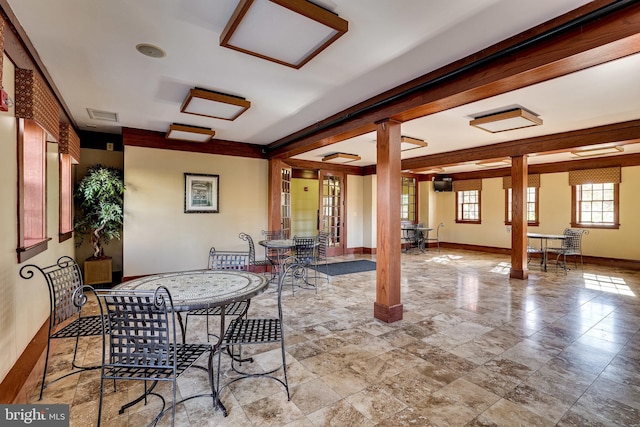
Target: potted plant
(100, 197)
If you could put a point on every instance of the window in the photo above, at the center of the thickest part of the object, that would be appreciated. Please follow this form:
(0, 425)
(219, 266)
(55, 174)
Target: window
(595, 205)
(468, 206)
(408, 200)
(66, 198)
(594, 197)
(32, 224)
(532, 206)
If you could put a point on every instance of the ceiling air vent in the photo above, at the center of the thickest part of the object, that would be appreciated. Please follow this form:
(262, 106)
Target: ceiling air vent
(106, 116)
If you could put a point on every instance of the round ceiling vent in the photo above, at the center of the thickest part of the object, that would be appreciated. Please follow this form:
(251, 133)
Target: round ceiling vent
(151, 50)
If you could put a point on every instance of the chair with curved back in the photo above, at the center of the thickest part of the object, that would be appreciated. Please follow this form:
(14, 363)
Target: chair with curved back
(305, 254)
(437, 238)
(142, 344)
(571, 246)
(256, 332)
(321, 253)
(254, 263)
(64, 280)
(223, 260)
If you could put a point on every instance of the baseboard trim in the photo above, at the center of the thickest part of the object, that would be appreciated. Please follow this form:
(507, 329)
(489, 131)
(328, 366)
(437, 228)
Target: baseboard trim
(25, 374)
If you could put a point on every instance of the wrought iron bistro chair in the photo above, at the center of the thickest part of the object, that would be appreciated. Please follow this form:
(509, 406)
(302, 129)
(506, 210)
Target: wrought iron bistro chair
(571, 246)
(437, 238)
(408, 235)
(321, 254)
(253, 262)
(64, 280)
(142, 344)
(274, 256)
(243, 332)
(223, 260)
(305, 254)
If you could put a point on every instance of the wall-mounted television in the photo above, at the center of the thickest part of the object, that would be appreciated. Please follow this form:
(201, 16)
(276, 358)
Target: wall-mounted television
(442, 185)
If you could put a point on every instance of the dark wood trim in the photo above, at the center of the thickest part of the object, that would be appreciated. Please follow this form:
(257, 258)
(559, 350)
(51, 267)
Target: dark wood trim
(625, 132)
(152, 139)
(65, 236)
(387, 313)
(519, 61)
(27, 253)
(308, 164)
(25, 374)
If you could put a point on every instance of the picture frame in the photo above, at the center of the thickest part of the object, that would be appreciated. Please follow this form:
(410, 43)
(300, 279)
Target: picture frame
(201, 193)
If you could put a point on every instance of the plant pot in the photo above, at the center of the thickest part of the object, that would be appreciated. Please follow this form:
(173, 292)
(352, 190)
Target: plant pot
(97, 271)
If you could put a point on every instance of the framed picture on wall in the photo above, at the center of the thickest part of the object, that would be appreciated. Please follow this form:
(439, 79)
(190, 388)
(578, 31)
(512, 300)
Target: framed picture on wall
(201, 193)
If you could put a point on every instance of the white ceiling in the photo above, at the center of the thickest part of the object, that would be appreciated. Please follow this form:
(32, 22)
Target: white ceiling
(88, 47)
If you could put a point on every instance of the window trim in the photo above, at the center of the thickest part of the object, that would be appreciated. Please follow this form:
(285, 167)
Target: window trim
(465, 221)
(616, 210)
(29, 248)
(535, 223)
(65, 198)
(409, 203)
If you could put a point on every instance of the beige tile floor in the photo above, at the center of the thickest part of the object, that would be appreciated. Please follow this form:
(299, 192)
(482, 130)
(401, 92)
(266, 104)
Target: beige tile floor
(474, 348)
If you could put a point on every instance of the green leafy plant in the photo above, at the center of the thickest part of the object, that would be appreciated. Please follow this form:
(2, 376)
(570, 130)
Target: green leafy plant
(101, 197)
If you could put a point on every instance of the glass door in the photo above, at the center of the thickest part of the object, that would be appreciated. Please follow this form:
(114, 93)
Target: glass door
(285, 202)
(332, 211)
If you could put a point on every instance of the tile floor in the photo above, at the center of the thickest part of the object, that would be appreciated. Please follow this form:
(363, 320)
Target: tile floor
(474, 348)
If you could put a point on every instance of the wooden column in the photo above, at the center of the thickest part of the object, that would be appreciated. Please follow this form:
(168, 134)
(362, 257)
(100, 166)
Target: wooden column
(275, 183)
(387, 306)
(519, 182)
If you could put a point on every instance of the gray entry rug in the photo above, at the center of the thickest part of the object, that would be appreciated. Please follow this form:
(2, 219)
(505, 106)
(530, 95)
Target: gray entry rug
(347, 267)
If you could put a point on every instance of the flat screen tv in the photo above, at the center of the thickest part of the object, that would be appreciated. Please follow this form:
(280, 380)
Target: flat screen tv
(440, 186)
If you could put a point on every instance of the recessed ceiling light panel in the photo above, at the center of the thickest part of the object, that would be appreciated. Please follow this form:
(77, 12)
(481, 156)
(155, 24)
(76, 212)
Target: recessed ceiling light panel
(289, 32)
(189, 133)
(202, 102)
(409, 143)
(506, 120)
(598, 151)
(106, 116)
(341, 158)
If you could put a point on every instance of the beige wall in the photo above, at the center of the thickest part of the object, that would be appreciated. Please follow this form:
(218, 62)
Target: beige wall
(159, 236)
(25, 303)
(555, 216)
(304, 207)
(355, 211)
(90, 157)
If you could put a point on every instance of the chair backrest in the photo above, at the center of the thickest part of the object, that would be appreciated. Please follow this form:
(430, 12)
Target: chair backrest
(227, 260)
(252, 248)
(64, 279)
(142, 330)
(439, 227)
(305, 249)
(323, 243)
(572, 244)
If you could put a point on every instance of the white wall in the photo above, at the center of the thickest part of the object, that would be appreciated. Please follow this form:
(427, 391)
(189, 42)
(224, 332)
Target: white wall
(25, 303)
(159, 236)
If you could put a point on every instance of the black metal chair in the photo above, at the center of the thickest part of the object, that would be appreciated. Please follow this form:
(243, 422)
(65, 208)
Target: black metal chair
(64, 280)
(305, 254)
(142, 344)
(321, 254)
(254, 263)
(571, 246)
(223, 260)
(243, 332)
(437, 238)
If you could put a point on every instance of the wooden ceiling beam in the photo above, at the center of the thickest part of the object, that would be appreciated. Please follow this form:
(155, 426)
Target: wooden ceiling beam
(604, 39)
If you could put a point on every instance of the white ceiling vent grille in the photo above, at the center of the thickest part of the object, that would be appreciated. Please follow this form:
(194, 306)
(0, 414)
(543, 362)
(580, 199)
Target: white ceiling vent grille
(106, 116)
